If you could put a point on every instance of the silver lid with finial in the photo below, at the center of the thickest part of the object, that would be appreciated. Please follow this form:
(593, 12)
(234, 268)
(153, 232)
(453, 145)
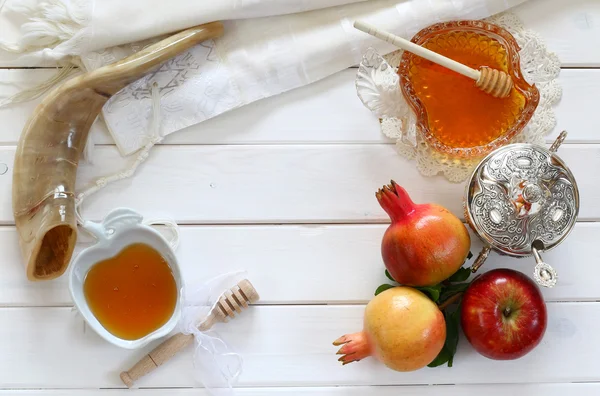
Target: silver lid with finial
(523, 199)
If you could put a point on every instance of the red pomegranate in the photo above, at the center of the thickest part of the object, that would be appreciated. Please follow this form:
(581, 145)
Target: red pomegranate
(425, 244)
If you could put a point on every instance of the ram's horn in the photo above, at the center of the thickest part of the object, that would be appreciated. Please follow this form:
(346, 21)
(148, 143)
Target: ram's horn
(52, 141)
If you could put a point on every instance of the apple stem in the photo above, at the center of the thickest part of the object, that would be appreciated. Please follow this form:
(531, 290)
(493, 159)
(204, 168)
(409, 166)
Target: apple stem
(507, 311)
(450, 301)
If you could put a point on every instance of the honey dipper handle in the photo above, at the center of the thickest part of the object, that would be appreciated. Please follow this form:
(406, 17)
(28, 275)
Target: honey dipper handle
(418, 50)
(156, 357)
(229, 304)
(164, 352)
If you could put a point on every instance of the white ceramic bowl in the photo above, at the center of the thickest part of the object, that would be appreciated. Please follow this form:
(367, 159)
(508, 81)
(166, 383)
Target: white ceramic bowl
(122, 227)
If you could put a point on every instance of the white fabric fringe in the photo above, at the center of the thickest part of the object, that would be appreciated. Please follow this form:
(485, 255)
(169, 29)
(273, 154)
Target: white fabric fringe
(54, 28)
(142, 156)
(102, 182)
(37, 91)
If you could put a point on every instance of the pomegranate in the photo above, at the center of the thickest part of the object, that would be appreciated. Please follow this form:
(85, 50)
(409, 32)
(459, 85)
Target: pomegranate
(403, 329)
(425, 244)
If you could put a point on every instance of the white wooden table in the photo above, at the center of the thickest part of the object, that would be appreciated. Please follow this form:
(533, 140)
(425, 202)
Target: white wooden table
(285, 188)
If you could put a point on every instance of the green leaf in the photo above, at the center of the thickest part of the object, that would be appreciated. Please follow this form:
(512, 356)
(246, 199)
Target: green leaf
(461, 275)
(383, 288)
(389, 276)
(432, 291)
(451, 290)
(441, 358)
(452, 325)
(446, 355)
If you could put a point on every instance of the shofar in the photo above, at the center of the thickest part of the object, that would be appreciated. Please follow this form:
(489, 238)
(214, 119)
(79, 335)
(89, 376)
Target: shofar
(51, 144)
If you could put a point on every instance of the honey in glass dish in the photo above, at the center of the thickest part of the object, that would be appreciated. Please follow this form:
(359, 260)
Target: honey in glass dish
(453, 115)
(133, 293)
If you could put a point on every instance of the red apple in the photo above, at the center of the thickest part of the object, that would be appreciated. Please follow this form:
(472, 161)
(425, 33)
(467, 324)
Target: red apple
(503, 314)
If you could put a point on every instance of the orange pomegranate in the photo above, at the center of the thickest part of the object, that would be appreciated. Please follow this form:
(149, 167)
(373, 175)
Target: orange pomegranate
(403, 329)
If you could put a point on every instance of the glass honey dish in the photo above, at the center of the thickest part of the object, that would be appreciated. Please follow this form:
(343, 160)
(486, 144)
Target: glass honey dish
(454, 116)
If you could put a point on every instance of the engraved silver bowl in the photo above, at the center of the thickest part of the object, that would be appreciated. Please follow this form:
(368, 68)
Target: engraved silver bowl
(522, 199)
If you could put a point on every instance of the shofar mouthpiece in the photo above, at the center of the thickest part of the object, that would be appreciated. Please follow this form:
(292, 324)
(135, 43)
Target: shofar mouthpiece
(494, 82)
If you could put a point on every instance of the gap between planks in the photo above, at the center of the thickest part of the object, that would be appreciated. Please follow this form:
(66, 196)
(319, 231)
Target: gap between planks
(281, 120)
(280, 184)
(338, 264)
(546, 389)
(280, 304)
(294, 343)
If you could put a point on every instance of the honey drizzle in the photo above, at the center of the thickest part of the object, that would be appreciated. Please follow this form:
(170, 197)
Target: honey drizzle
(460, 115)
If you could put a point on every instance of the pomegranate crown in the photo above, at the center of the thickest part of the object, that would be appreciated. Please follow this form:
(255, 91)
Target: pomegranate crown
(395, 201)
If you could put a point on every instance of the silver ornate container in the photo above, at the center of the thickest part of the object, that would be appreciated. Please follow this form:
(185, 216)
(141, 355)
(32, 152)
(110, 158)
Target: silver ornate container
(522, 199)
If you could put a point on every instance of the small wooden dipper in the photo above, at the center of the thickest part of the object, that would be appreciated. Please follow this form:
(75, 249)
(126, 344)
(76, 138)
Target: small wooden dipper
(494, 82)
(231, 302)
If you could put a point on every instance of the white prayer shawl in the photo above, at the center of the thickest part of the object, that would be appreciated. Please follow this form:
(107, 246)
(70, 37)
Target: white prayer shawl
(57, 28)
(256, 57)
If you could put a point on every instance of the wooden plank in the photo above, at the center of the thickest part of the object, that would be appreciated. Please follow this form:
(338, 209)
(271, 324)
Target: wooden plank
(446, 390)
(305, 264)
(327, 111)
(316, 113)
(283, 346)
(278, 184)
(568, 27)
(573, 110)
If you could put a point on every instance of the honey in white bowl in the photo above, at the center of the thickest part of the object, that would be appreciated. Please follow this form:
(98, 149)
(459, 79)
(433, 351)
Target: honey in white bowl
(133, 293)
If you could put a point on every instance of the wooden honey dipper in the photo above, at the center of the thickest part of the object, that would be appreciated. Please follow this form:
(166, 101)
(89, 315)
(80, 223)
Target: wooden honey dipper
(232, 301)
(494, 82)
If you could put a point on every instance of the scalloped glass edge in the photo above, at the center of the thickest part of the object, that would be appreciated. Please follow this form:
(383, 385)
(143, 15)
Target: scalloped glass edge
(504, 38)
